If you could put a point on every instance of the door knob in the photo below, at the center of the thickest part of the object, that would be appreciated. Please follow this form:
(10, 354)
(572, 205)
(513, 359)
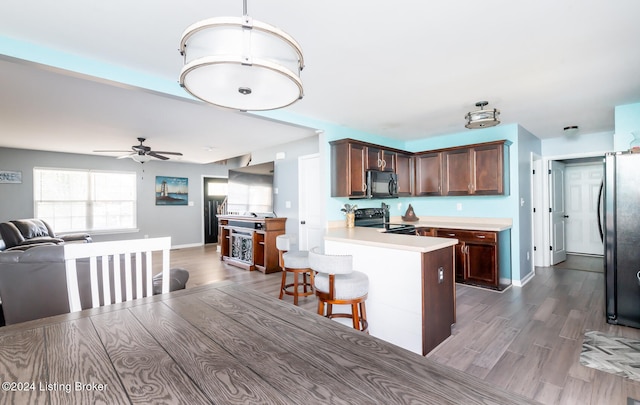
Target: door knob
(566, 216)
(303, 222)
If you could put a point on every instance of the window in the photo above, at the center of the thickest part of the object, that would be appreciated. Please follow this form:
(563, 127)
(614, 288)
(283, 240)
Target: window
(80, 200)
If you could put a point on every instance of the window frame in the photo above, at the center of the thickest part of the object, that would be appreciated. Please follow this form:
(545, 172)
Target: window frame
(90, 201)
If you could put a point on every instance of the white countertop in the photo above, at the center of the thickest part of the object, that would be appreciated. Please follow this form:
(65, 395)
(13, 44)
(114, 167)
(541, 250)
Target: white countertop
(376, 237)
(470, 223)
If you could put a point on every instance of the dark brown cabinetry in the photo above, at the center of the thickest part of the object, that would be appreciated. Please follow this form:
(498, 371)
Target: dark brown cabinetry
(250, 243)
(479, 169)
(404, 170)
(476, 256)
(428, 173)
(351, 159)
(348, 169)
(381, 159)
(475, 169)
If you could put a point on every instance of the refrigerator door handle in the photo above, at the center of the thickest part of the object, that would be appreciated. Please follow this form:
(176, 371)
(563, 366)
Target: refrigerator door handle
(600, 197)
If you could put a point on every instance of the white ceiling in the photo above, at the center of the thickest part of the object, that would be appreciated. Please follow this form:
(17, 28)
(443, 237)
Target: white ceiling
(401, 69)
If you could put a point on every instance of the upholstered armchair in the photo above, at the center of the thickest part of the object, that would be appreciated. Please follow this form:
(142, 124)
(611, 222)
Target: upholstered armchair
(24, 233)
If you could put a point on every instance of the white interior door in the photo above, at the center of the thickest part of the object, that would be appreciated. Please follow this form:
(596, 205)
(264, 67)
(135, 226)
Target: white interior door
(310, 203)
(558, 212)
(582, 185)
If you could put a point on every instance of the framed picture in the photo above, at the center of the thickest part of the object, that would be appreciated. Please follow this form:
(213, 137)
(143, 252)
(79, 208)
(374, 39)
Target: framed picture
(172, 190)
(8, 176)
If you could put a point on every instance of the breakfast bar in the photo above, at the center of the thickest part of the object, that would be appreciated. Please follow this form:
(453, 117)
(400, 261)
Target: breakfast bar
(411, 300)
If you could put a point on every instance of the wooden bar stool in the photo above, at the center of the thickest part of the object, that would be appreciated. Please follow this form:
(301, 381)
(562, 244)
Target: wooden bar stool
(296, 263)
(337, 283)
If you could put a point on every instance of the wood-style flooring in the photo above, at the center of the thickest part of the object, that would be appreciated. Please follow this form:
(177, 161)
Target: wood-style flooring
(526, 339)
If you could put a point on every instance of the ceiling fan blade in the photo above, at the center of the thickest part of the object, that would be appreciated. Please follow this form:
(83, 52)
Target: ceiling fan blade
(155, 155)
(168, 153)
(111, 151)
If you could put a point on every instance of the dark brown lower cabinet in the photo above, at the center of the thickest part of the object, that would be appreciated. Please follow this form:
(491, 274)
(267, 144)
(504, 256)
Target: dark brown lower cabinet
(476, 257)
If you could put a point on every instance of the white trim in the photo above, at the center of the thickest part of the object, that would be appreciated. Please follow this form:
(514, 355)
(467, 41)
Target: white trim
(521, 283)
(546, 220)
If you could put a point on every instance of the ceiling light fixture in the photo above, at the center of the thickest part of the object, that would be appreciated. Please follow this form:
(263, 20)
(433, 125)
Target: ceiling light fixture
(241, 63)
(482, 118)
(571, 131)
(141, 157)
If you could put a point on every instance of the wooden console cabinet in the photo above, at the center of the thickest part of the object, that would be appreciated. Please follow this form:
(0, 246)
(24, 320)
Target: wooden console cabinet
(250, 242)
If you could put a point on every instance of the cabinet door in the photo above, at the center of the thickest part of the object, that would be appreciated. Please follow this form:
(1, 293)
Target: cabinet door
(348, 169)
(459, 251)
(457, 172)
(374, 161)
(380, 159)
(487, 164)
(429, 174)
(404, 170)
(357, 172)
(482, 263)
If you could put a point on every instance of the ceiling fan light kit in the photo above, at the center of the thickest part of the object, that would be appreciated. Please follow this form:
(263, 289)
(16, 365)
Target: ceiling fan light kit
(241, 63)
(482, 118)
(142, 153)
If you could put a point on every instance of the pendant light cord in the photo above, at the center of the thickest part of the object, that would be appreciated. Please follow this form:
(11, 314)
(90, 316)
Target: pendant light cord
(244, 7)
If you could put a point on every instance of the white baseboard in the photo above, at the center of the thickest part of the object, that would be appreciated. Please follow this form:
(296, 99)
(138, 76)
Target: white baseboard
(521, 283)
(188, 245)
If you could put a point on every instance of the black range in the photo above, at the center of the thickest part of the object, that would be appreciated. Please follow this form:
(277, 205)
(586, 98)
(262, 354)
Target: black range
(379, 218)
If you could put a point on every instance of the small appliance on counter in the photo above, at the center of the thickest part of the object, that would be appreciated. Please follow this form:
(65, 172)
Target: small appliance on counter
(378, 218)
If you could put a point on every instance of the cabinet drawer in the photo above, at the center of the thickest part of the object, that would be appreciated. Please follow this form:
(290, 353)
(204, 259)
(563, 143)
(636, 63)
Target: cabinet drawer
(468, 236)
(455, 233)
(489, 237)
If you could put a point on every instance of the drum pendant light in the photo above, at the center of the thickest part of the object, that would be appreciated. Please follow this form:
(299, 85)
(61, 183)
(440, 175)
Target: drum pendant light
(482, 118)
(241, 63)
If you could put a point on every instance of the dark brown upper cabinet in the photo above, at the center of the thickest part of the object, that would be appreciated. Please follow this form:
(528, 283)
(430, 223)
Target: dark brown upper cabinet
(428, 173)
(381, 159)
(479, 169)
(348, 169)
(476, 169)
(405, 171)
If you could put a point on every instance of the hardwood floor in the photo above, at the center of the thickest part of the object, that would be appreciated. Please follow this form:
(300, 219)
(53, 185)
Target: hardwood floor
(582, 262)
(526, 340)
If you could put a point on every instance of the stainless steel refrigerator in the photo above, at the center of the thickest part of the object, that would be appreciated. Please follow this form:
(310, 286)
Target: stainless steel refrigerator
(621, 228)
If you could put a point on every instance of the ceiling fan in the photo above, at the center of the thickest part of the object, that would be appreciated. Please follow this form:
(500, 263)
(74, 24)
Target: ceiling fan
(141, 153)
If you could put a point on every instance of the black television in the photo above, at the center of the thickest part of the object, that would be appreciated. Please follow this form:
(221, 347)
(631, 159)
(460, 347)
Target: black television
(250, 190)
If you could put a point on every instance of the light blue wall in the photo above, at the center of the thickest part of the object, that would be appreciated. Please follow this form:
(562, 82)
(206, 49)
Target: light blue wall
(581, 144)
(627, 121)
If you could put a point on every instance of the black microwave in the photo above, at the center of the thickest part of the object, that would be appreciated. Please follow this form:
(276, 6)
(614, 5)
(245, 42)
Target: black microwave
(382, 184)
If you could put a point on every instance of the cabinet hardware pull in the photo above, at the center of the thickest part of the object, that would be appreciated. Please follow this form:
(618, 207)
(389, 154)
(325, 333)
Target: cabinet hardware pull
(451, 234)
(480, 236)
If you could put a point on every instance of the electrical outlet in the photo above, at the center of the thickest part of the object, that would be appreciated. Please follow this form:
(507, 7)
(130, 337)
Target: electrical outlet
(459, 206)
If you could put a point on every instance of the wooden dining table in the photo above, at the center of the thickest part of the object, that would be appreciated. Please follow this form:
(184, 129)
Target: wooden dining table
(219, 343)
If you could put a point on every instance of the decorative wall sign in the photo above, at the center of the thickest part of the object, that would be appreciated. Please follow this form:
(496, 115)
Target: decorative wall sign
(8, 176)
(172, 190)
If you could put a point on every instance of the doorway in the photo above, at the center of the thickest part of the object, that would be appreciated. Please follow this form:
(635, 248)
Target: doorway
(571, 215)
(215, 194)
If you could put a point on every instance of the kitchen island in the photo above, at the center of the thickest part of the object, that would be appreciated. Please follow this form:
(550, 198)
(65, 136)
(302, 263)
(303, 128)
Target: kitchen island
(411, 301)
